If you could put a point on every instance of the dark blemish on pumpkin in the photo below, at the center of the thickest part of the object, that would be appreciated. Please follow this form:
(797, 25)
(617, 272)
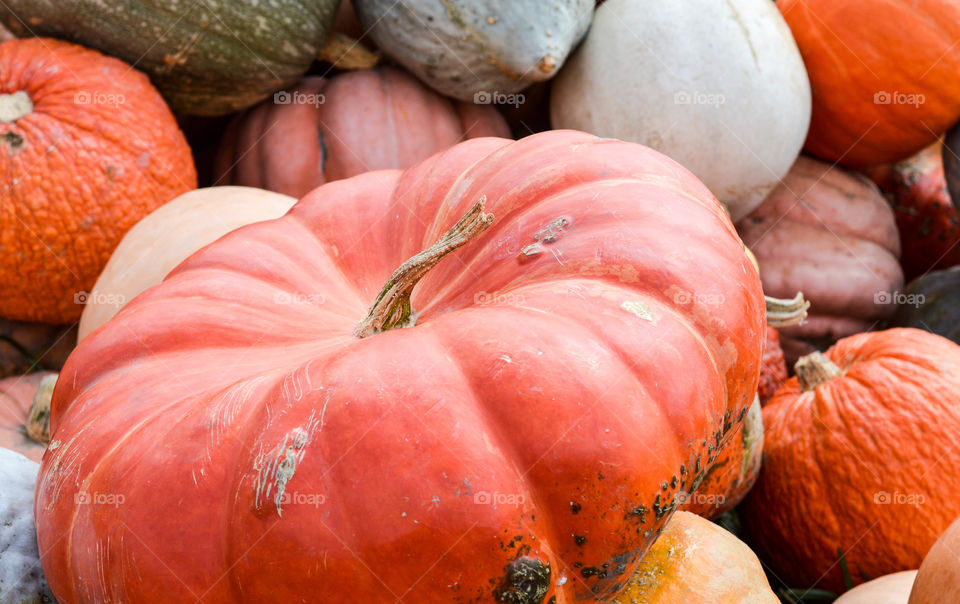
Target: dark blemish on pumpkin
(683, 470)
(673, 482)
(578, 564)
(323, 149)
(13, 141)
(526, 581)
(664, 486)
(742, 414)
(574, 508)
(600, 476)
(659, 510)
(589, 571)
(641, 511)
(620, 569)
(696, 466)
(579, 539)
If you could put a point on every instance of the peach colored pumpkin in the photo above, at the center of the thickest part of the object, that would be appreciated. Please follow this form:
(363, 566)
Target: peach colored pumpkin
(164, 238)
(938, 579)
(888, 589)
(336, 128)
(694, 560)
(828, 233)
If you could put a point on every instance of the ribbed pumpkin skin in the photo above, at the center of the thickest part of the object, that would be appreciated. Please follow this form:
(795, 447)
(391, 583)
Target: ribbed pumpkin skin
(857, 49)
(884, 431)
(78, 175)
(830, 234)
(367, 120)
(550, 378)
(206, 58)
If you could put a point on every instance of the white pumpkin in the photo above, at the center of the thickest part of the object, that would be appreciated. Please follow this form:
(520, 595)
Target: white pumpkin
(167, 236)
(21, 576)
(718, 86)
(888, 589)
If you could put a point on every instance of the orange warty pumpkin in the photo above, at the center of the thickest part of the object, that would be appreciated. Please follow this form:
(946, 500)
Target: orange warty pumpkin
(883, 74)
(860, 457)
(509, 443)
(87, 148)
(328, 129)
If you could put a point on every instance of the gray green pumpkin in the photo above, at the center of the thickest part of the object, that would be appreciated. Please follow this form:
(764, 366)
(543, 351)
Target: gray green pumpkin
(477, 50)
(932, 303)
(206, 58)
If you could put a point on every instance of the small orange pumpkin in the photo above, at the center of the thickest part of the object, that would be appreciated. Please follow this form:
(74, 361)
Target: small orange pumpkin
(87, 148)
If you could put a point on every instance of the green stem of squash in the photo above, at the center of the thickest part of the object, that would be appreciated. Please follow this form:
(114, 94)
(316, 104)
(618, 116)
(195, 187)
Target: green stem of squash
(38, 420)
(815, 369)
(392, 310)
(783, 313)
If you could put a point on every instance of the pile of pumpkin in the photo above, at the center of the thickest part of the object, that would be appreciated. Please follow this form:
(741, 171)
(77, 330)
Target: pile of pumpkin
(625, 301)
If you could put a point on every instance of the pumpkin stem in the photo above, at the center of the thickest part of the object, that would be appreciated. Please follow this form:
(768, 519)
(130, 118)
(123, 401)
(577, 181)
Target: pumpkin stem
(344, 52)
(392, 307)
(15, 106)
(38, 420)
(783, 313)
(814, 370)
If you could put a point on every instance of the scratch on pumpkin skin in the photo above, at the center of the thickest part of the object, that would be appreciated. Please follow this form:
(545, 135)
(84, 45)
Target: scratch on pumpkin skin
(275, 469)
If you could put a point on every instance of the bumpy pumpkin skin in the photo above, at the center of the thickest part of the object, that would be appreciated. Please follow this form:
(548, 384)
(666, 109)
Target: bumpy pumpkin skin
(367, 120)
(695, 560)
(20, 572)
(718, 86)
(462, 48)
(773, 373)
(16, 396)
(939, 576)
(542, 380)
(928, 222)
(93, 150)
(830, 234)
(846, 465)
(164, 238)
(209, 58)
(932, 303)
(854, 51)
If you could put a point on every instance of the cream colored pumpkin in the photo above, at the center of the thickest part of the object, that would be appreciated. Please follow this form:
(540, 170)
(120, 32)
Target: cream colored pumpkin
(718, 86)
(167, 236)
(888, 589)
(694, 560)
